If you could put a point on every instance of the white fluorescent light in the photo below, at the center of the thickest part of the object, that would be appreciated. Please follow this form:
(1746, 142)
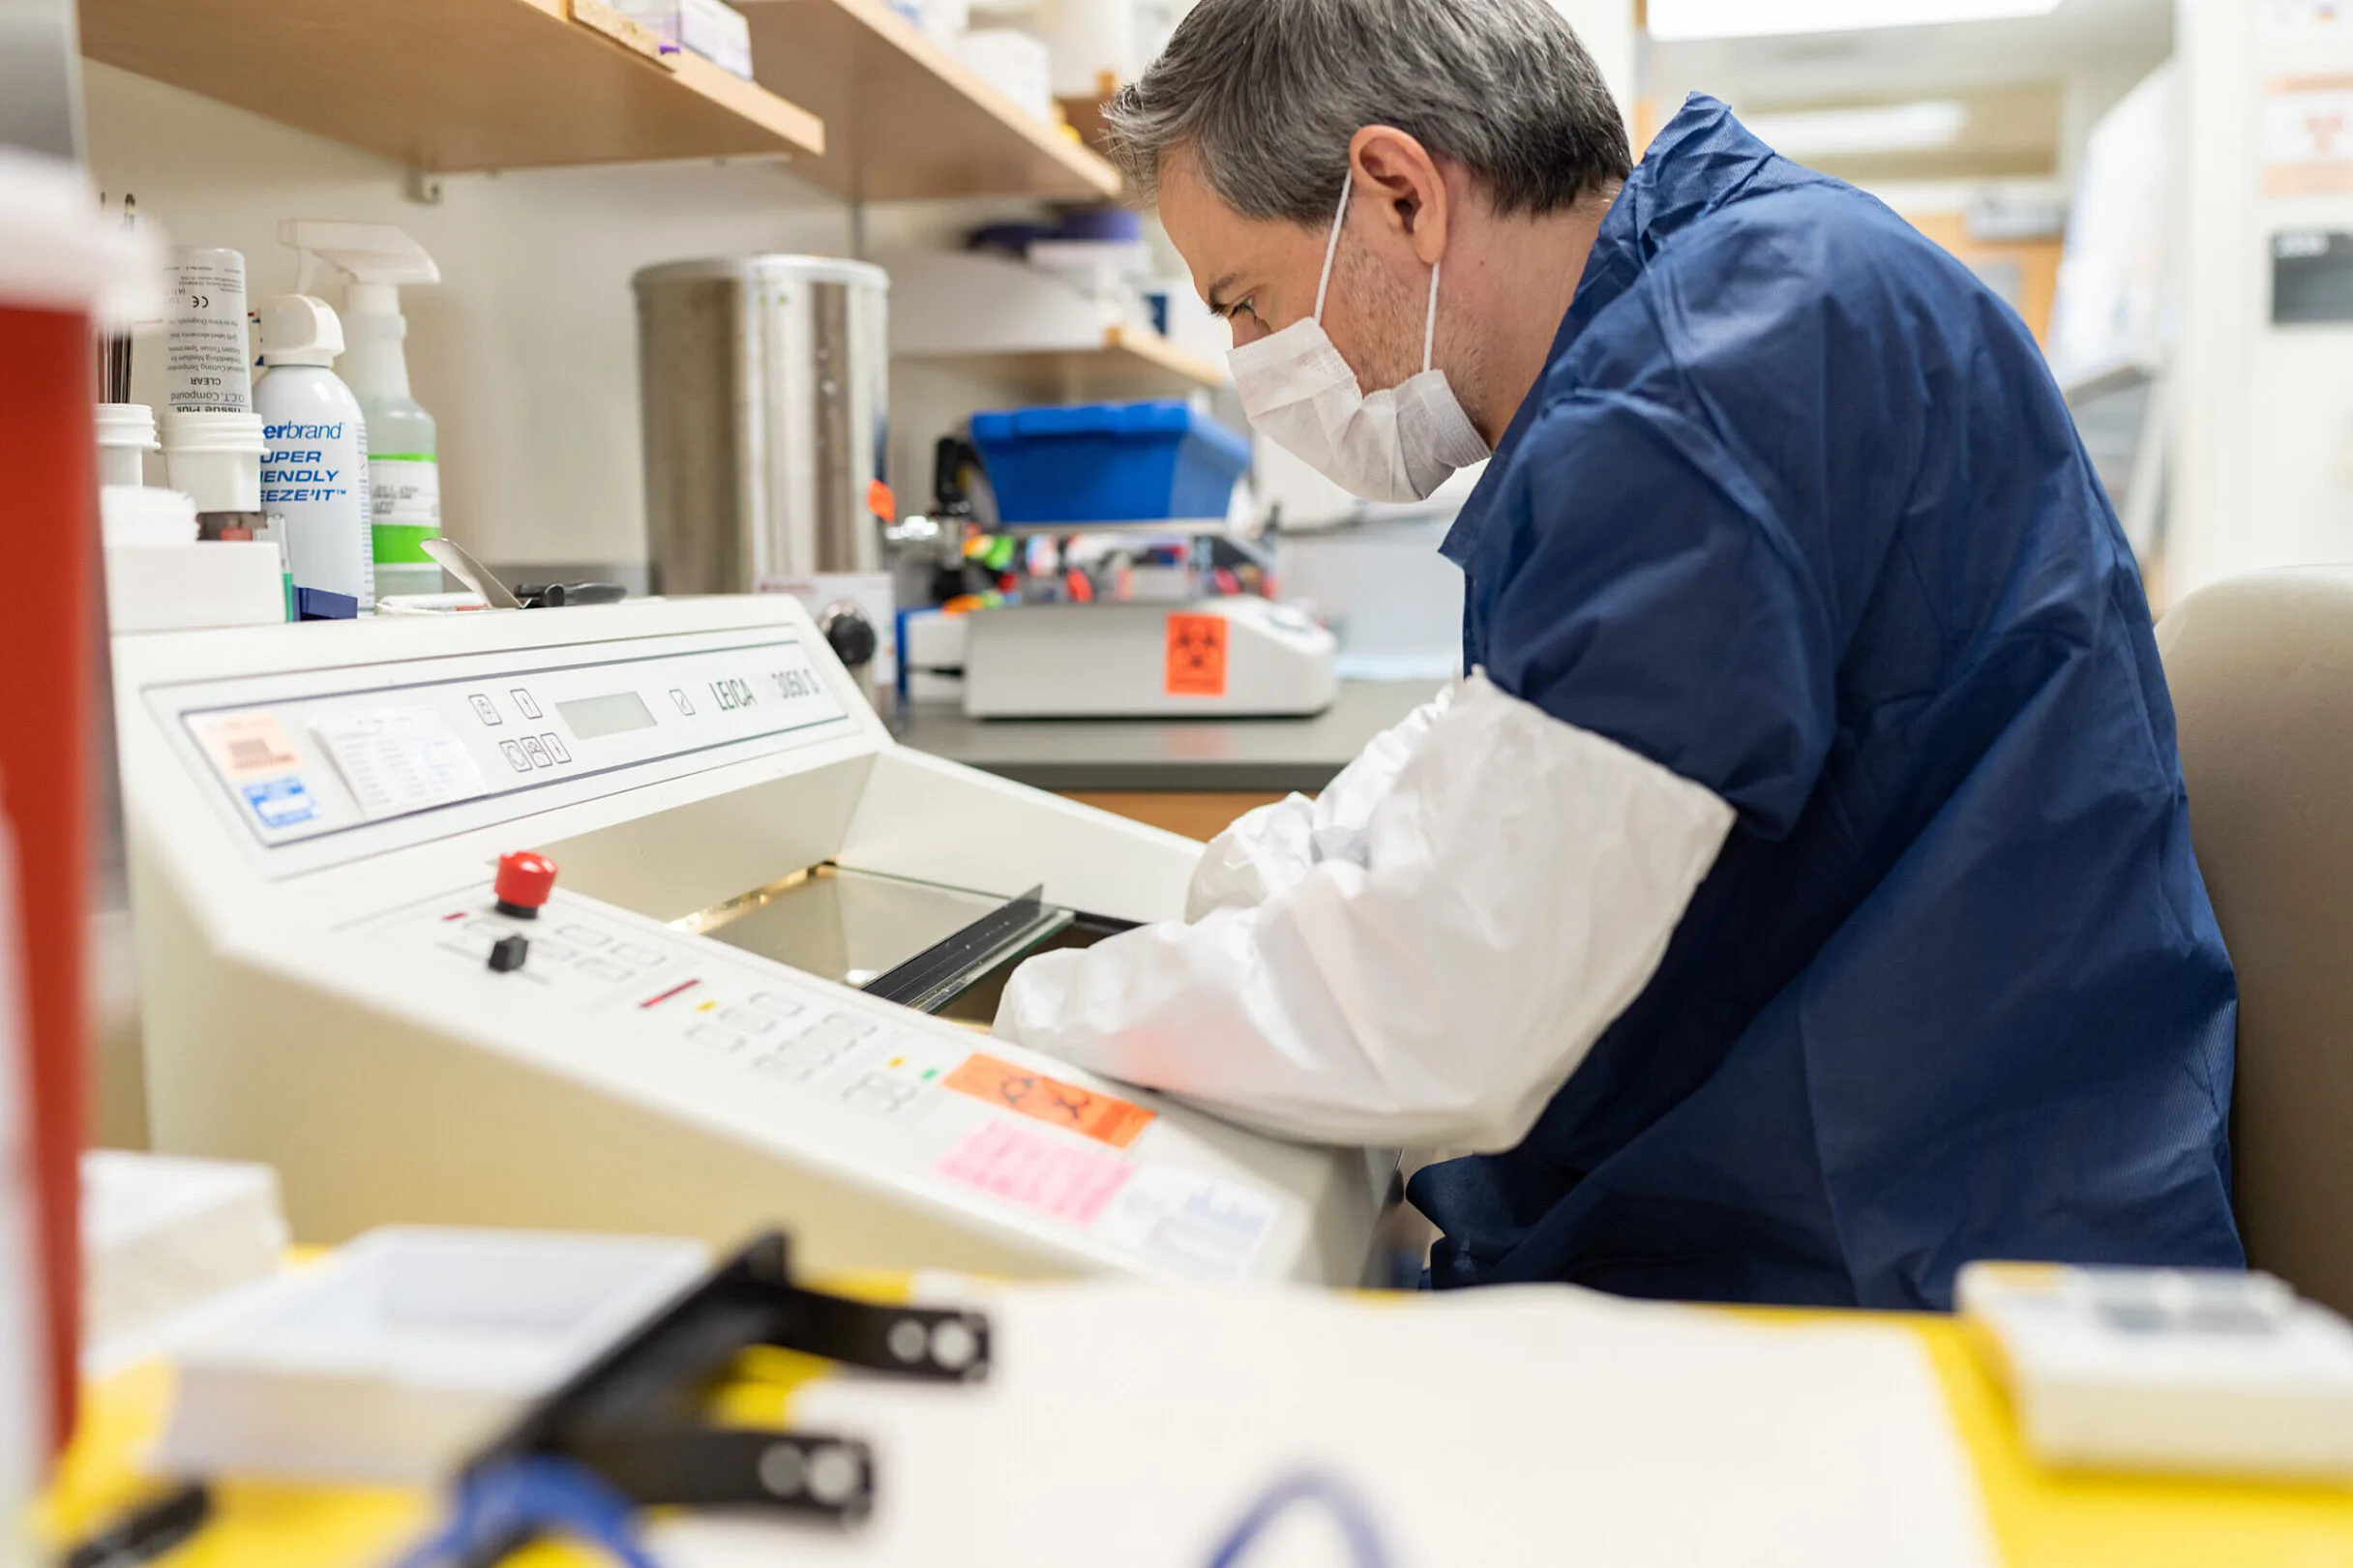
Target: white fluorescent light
(1899, 128)
(1679, 21)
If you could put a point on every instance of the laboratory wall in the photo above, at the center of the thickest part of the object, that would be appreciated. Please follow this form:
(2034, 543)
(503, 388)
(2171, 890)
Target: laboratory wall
(526, 351)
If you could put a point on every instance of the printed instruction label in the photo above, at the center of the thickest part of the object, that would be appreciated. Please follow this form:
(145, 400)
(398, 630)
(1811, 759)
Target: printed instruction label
(404, 494)
(1053, 1179)
(1196, 656)
(1103, 1117)
(399, 760)
(1198, 1224)
(207, 366)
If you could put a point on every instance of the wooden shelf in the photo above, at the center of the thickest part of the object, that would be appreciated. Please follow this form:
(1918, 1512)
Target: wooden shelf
(450, 85)
(1086, 114)
(904, 116)
(1130, 365)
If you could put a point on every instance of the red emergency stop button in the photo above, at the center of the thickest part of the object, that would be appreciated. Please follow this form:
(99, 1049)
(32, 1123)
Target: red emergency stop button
(525, 881)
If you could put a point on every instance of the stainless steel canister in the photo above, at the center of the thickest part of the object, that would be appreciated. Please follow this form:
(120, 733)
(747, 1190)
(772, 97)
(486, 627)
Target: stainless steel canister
(765, 386)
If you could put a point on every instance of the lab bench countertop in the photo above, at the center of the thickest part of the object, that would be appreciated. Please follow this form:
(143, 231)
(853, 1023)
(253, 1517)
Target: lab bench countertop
(1240, 755)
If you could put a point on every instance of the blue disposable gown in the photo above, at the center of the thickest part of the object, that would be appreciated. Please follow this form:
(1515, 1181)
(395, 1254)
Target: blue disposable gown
(1797, 512)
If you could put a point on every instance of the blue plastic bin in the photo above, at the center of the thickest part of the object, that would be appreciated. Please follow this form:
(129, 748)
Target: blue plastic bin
(1109, 462)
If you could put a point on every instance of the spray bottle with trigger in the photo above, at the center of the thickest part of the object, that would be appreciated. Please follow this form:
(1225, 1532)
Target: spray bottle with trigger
(403, 472)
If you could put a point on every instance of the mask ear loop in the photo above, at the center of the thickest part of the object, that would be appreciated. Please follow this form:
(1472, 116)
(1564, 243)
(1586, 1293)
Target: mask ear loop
(1331, 247)
(1429, 330)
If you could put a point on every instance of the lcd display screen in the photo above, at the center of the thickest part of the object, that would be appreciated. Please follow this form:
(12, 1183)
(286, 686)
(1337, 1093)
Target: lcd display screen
(591, 717)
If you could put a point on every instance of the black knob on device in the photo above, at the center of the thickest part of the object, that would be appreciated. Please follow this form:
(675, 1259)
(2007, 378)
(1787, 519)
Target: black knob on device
(508, 953)
(850, 634)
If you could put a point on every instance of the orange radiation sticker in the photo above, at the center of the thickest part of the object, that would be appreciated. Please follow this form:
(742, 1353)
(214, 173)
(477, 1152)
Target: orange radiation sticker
(1099, 1117)
(1197, 656)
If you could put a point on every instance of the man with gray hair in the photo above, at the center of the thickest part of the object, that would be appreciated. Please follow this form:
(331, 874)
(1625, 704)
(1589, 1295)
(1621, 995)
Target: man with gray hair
(1796, 900)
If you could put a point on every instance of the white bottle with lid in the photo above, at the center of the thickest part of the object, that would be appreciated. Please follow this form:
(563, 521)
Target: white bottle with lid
(403, 468)
(314, 458)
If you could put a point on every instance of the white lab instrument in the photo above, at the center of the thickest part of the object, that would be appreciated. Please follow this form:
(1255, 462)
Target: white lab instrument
(2193, 1371)
(1211, 658)
(697, 1040)
(396, 1357)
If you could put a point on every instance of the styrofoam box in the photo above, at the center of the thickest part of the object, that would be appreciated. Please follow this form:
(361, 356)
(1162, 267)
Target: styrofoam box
(394, 1358)
(191, 586)
(161, 1237)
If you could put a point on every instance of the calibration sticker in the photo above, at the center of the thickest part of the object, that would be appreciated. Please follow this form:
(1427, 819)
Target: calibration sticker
(1197, 656)
(1102, 1117)
(255, 757)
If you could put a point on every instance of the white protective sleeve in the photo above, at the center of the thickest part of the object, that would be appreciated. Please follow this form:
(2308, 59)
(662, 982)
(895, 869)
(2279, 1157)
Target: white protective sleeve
(1276, 845)
(1517, 888)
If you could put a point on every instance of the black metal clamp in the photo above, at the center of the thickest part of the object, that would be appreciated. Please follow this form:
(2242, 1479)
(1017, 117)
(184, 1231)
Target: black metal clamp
(635, 1418)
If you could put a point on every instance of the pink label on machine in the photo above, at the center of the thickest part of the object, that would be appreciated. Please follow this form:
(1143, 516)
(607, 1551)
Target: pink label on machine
(1053, 1178)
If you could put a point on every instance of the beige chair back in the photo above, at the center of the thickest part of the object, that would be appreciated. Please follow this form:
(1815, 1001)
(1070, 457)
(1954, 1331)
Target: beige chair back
(2261, 669)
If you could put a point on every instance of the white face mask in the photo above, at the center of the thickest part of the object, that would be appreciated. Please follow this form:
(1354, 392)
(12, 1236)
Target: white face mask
(1394, 446)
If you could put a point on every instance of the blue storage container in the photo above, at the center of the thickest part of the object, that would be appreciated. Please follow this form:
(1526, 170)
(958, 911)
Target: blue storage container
(1109, 462)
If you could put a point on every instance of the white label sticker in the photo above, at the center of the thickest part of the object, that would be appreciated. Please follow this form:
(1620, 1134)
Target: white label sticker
(399, 760)
(1196, 1223)
(406, 493)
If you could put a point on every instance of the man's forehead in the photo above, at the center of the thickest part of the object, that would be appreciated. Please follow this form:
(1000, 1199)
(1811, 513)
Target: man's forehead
(1219, 244)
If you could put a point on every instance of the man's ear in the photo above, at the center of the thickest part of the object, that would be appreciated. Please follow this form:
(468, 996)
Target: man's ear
(1397, 172)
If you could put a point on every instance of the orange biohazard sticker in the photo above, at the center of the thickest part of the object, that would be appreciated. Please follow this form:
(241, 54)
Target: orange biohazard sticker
(1100, 1116)
(1197, 656)
(881, 502)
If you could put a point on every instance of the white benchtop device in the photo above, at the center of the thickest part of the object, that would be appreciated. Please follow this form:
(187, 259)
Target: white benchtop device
(693, 1036)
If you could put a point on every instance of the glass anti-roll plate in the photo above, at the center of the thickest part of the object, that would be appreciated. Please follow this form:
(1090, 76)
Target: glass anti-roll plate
(856, 927)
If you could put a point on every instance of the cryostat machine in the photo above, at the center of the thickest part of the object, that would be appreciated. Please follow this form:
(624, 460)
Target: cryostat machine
(634, 917)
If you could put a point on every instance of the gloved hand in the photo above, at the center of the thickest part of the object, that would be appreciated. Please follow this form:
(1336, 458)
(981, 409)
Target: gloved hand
(1519, 883)
(1272, 848)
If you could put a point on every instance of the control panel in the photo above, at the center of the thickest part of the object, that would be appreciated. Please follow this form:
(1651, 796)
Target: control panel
(321, 756)
(915, 1096)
